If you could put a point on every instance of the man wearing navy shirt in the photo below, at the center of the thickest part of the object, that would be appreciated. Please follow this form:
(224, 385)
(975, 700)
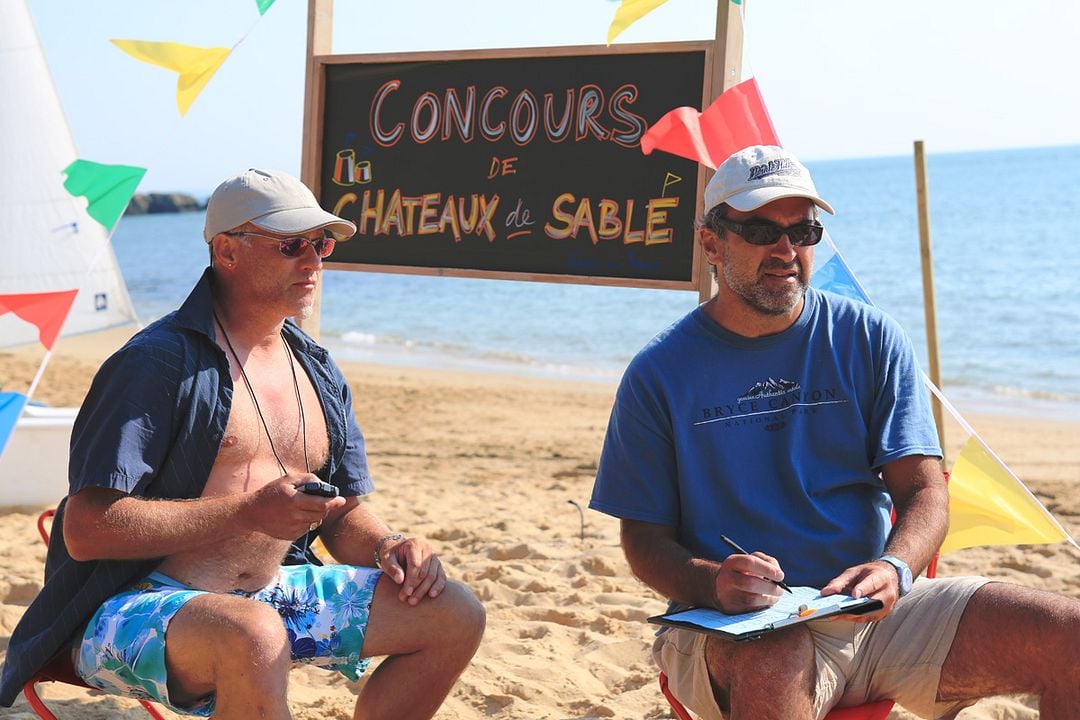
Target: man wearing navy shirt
(793, 421)
(210, 451)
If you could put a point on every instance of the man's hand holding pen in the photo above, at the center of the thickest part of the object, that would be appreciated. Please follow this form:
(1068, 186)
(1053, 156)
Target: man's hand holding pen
(748, 582)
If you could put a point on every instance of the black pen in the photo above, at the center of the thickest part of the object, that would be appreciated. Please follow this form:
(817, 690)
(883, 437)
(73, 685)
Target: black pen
(735, 546)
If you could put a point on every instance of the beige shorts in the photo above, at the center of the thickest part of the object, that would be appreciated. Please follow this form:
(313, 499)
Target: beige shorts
(905, 652)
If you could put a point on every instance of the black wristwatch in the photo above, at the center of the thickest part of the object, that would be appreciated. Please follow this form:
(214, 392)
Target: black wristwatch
(903, 572)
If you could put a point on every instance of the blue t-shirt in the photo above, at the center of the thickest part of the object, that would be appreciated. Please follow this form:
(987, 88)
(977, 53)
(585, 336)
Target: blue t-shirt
(775, 442)
(151, 425)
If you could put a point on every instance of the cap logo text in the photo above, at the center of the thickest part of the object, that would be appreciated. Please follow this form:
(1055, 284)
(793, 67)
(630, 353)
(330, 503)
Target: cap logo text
(773, 167)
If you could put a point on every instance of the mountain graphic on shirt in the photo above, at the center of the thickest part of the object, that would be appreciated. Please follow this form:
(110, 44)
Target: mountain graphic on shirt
(770, 388)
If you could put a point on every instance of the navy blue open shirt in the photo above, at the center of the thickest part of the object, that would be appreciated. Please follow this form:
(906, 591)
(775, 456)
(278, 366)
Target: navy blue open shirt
(151, 426)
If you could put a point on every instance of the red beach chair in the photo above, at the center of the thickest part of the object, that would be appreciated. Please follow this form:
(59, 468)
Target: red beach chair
(59, 669)
(871, 711)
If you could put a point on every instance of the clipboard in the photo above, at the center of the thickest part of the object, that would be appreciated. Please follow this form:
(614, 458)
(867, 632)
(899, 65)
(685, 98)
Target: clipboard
(803, 604)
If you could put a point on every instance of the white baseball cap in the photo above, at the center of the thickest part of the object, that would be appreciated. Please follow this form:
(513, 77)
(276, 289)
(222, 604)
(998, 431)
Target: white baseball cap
(757, 175)
(273, 201)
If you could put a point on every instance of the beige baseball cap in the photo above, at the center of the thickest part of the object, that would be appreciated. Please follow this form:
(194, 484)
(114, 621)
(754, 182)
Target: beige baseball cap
(272, 200)
(757, 175)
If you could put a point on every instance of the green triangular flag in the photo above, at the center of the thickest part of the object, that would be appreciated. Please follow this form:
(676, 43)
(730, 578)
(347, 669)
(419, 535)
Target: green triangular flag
(264, 5)
(108, 188)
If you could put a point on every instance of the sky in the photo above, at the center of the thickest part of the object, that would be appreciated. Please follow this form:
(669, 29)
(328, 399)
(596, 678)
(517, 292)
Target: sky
(841, 78)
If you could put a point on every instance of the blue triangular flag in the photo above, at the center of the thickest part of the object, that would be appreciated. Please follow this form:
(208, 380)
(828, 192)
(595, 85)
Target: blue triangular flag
(835, 277)
(11, 407)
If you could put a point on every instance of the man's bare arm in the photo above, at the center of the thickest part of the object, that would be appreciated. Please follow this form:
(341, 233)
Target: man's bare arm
(921, 499)
(351, 533)
(739, 583)
(105, 524)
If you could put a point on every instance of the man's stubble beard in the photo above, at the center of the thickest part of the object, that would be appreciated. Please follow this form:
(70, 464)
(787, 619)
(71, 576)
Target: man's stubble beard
(754, 294)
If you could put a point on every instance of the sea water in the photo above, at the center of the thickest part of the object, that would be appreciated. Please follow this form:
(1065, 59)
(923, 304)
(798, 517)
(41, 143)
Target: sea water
(1005, 280)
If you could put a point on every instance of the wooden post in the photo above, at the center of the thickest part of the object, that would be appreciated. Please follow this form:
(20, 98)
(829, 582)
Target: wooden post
(726, 72)
(320, 25)
(923, 199)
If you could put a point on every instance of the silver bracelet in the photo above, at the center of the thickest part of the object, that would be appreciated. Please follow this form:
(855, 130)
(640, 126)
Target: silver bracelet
(382, 541)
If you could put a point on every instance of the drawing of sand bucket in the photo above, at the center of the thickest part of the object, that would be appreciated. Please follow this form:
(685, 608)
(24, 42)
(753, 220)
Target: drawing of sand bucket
(362, 172)
(345, 168)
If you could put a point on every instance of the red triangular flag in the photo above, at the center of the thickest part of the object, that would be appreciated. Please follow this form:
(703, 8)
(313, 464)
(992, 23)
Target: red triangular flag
(47, 310)
(735, 120)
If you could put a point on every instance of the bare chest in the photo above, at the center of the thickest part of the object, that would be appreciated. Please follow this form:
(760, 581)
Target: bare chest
(273, 422)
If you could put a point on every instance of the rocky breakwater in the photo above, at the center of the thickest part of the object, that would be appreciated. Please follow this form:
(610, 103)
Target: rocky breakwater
(153, 203)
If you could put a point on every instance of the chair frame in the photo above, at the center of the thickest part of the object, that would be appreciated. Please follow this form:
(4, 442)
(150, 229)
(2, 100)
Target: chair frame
(870, 711)
(59, 668)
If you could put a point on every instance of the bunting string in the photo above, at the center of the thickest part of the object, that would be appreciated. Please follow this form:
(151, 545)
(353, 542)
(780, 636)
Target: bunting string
(195, 66)
(988, 503)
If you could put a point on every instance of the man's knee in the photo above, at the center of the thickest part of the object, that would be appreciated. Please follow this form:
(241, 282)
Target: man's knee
(464, 615)
(216, 634)
(452, 622)
(1057, 633)
(1014, 639)
(258, 632)
(777, 662)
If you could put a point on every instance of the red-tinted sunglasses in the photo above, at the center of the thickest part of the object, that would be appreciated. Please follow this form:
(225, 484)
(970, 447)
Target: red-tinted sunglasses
(291, 247)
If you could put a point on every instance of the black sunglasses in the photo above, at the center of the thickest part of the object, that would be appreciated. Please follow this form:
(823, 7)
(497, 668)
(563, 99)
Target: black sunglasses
(291, 247)
(767, 233)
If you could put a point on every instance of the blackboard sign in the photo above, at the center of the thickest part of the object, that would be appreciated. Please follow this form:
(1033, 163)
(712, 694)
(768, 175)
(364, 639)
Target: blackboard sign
(522, 165)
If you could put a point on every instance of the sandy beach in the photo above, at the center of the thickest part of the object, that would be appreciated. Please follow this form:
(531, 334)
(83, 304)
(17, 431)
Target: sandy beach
(496, 471)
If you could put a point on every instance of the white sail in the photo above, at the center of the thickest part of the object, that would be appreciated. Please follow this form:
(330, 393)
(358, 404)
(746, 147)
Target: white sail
(47, 240)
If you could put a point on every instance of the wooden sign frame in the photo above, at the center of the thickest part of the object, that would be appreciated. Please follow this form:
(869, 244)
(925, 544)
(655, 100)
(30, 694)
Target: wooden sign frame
(725, 71)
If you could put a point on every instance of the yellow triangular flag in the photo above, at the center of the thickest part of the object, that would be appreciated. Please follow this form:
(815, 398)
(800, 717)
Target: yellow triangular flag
(196, 65)
(629, 12)
(988, 505)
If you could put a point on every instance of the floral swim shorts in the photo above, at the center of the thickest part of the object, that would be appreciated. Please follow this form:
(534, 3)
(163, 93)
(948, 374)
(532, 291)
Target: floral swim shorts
(325, 611)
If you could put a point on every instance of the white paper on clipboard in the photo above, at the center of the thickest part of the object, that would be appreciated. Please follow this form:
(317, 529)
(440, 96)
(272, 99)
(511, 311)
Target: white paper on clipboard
(788, 610)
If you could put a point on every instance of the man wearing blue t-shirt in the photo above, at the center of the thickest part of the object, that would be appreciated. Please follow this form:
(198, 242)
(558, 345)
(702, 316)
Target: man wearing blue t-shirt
(793, 421)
